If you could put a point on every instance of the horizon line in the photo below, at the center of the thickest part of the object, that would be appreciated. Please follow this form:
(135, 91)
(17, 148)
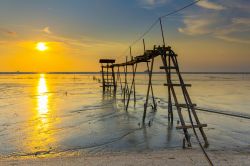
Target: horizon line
(92, 72)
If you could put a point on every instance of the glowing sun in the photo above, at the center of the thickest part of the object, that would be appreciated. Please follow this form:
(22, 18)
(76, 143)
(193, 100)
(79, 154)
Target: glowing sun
(41, 46)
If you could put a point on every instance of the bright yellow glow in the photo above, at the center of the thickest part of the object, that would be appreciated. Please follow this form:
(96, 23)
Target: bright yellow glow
(41, 138)
(42, 96)
(41, 46)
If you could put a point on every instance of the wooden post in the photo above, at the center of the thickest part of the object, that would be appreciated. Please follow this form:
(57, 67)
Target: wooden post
(132, 85)
(170, 107)
(151, 87)
(107, 75)
(113, 75)
(134, 72)
(162, 33)
(103, 82)
(119, 76)
(149, 84)
(124, 87)
(152, 91)
(126, 74)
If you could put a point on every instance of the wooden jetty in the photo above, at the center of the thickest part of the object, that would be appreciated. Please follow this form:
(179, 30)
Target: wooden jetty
(169, 66)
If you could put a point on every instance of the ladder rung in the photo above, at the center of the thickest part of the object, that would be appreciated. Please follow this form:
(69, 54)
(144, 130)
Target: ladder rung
(185, 105)
(187, 85)
(167, 67)
(190, 126)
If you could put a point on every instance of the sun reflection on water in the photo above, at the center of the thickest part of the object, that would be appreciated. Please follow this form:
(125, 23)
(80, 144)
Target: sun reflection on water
(41, 138)
(42, 96)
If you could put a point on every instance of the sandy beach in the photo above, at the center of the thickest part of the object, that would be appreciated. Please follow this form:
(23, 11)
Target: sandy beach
(93, 129)
(166, 157)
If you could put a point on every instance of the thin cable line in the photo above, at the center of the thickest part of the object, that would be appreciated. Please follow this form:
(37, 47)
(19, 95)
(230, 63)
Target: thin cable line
(180, 9)
(154, 24)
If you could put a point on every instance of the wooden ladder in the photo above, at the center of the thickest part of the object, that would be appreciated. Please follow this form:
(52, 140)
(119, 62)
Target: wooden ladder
(170, 64)
(108, 74)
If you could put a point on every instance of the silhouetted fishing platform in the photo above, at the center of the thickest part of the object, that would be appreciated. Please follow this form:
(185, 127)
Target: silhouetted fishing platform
(111, 80)
(170, 64)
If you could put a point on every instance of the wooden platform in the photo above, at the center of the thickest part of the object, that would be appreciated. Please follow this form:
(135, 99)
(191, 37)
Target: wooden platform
(107, 61)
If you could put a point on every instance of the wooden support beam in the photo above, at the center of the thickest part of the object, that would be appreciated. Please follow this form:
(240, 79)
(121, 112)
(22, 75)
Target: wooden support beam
(152, 91)
(186, 85)
(132, 86)
(149, 85)
(103, 81)
(185, 105)
(107, 61)
(190, 126)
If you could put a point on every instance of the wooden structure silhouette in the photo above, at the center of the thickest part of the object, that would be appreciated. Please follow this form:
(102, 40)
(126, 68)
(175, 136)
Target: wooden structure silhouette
(170, 67)
(108, 74)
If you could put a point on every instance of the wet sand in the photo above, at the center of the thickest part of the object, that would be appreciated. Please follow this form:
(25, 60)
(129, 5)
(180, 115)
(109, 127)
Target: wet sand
(66, 120)
(166, 157)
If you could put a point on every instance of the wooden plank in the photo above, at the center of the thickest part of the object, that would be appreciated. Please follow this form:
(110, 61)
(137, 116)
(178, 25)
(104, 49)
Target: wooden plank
(107, 61)
(185, 105)
(186, 85)
(190, 126)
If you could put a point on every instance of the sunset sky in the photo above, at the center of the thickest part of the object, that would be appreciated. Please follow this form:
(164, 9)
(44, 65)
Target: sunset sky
(213, 35)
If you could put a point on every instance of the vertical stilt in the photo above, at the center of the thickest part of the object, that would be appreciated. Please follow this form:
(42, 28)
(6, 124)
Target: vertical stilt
(170, 108)
(125, 91)
(149, 85)
(120, 78)
(134, 72)
(132, 85)
(103, 80)
(113, 75)
(124, 87)
(152, 92)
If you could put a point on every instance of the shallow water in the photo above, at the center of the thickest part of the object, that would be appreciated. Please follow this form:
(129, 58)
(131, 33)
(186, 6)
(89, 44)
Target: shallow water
(44, 114)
